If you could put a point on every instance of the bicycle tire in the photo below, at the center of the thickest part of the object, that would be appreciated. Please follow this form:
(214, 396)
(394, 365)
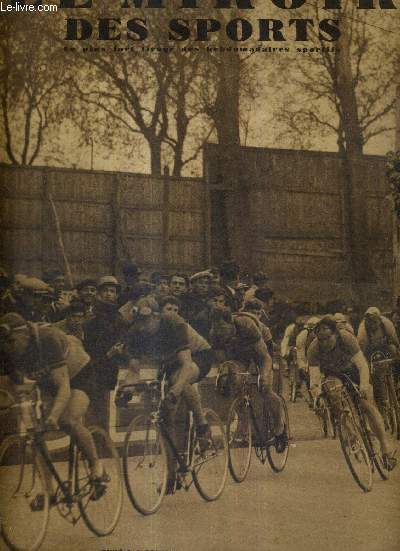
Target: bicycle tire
(100, 502)
(277, 461)
(140, 451)
(394, 408)
(325, 418)
(210, 467)
(22, 480)
(354, 451)
(374, 450)
(239, 436)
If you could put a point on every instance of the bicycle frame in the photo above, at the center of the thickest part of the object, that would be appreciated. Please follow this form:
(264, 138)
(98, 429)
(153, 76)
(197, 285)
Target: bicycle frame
(31, 429)
(69, 487)
(249, 405)
(351, 394)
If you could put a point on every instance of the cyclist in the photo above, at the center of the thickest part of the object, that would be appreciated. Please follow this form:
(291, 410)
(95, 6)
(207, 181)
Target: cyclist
(377, 333)
(61, 368)
(246, 346)
(335, 352)
(303, 341)
(289, 352)
(165, 340)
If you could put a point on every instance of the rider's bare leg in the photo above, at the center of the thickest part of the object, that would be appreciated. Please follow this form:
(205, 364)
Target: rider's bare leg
(72, 420)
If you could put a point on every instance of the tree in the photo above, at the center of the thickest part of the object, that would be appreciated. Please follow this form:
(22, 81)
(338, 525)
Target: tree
(346, 89)
(30, 83)
(148, 93)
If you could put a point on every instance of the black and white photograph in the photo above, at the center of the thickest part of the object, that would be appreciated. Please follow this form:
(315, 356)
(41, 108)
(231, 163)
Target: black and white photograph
(199, 275)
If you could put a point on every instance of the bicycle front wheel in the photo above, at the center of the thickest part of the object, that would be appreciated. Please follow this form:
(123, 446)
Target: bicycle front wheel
(354, 451)
(374, 448)
(239, 439)
(277, 458)
(210, 466)
(145, 465)
(324, 415)
(394, 410)
(24, 499)
(100, 501)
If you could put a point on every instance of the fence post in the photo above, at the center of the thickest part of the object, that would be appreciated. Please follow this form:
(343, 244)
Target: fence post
(165, 225)
(116, 234)
(45, 224)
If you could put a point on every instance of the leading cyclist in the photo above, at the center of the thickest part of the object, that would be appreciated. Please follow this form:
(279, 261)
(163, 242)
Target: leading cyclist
(61, 368)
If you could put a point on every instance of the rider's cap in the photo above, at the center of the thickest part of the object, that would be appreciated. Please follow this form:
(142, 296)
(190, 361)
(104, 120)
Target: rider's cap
(340, 318)
(108, 280)
(312, 322)
(11, 322)
(373, 311)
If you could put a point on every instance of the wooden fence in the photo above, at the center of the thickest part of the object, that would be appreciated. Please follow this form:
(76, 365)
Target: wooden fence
(295, 214)
(105, 218)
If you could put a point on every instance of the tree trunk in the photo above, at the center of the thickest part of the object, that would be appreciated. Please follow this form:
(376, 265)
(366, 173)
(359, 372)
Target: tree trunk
(355, 192)
(228, 132)
(155, 156)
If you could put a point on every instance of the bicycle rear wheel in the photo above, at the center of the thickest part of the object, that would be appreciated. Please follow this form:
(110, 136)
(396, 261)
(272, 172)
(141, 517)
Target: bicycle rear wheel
(145, 465)
(354, 450)
(277, 460)
(100, 502)
(239, 439)
(24, 499)
(210, 466)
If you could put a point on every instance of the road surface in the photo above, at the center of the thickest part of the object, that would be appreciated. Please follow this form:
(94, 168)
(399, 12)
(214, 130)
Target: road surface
(314, 505)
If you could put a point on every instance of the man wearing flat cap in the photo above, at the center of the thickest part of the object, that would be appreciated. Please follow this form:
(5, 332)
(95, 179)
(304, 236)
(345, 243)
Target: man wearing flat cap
(195, 300)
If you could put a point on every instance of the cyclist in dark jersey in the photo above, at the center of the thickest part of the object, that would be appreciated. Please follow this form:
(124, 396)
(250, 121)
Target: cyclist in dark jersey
(166, 340)
(337, 352)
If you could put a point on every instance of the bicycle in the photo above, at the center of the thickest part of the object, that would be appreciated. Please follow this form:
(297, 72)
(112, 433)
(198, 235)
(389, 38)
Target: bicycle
(321, 407)
(385, 392)
(153, 463)
(360, 447)
(240, 423)
(26, 469)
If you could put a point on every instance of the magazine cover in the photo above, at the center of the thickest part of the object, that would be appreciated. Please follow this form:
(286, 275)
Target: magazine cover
(199, 275)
